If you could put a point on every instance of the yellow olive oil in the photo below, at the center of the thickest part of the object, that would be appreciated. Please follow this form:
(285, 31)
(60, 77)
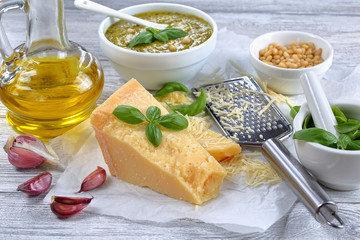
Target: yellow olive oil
(49, 95)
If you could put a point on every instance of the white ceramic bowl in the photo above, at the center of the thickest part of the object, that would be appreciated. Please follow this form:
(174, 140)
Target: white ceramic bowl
(337, 169)
(285, 80)
(152, 70)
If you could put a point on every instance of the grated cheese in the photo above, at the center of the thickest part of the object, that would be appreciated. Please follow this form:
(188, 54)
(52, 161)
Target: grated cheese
(257, 172)
(223, 104)
(198, 124)
(175, 98)
(267, 106)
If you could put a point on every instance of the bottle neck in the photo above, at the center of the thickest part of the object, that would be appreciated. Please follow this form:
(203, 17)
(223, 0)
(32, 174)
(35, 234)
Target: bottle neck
(45, 26)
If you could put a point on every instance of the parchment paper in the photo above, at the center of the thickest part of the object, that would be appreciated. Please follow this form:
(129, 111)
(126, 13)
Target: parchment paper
(237, 208)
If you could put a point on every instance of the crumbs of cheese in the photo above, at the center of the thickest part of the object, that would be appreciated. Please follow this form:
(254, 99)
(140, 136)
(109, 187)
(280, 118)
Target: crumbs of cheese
(257, 172)
(198, 124)
(175, 98)
(223, 105)
(267, 106)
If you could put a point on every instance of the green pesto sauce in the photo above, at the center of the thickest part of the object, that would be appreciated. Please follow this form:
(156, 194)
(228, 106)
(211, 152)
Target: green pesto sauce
(199, 31)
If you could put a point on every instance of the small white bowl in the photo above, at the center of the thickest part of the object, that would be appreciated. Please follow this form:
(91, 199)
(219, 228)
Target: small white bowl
(334, 168)
(285, 80)
(152, 70)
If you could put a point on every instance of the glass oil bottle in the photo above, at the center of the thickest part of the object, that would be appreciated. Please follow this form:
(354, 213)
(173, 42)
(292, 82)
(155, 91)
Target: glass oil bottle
(48, 84)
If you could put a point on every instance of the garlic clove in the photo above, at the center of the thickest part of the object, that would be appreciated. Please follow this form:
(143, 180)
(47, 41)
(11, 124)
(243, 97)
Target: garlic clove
(23, 158)
(93, 180)
(35, 145)
(36, 185)
(27, 151)
(64, 207)
(29, 142)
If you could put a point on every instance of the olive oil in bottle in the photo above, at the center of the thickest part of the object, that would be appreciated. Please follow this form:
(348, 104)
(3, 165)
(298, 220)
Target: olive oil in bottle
(50, 94)
(48, 84)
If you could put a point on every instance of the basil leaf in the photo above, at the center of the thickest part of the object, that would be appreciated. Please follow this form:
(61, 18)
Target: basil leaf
(129, 114)
(174, 33)
(308, 122)
(154, 134)
(152, 30)
(161, 36)
(171, 87)
(347, 127)
(194, 108)
(344, 141)
(153, 113)
(144, 37)
(354, 145)
(316, 135)
(293, 110)
(354, 134)
(151, 34)
(173, 122)
(340, 120)
(339, 115)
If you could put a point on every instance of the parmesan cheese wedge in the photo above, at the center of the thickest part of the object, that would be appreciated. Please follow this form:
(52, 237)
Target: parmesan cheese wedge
(180, 167)
(217, 145)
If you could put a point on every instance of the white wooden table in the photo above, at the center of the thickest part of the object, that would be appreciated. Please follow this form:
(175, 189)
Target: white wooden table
(23, 217)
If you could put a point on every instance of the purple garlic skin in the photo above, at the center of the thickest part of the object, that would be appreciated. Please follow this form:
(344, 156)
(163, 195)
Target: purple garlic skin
(22, 158)
(36, 185)
(27, 151)
(93, 180)
(64, 207)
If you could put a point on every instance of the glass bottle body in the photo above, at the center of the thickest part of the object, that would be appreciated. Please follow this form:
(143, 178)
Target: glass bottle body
(50, 84)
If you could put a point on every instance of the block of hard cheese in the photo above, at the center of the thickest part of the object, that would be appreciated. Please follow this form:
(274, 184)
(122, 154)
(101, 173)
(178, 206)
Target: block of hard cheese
(217, 145)
(180, 167)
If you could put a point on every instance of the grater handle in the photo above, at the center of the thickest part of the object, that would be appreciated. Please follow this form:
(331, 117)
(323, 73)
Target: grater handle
(309, 192)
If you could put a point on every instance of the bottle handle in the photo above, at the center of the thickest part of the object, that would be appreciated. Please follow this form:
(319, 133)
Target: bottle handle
(6, 50)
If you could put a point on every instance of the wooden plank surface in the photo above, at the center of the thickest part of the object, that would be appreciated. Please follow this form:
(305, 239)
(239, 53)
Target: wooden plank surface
(23, 217)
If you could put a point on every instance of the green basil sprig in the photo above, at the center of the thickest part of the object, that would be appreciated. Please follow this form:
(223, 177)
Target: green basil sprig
(132, 115)
(308, 122)
(293, 109)
(190, 110)
(171, 87)
(151, 34)
(354, 145)
(354, 134)
(194, 108)
(339, 115)
(348, 126)
(316, 135)
(172, 121)
(349, 129)
(344, 141)
(129, 114)
(153, 133)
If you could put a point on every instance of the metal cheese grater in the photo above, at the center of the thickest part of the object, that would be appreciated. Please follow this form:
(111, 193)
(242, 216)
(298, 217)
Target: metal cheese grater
(251, 126)
(245, 113)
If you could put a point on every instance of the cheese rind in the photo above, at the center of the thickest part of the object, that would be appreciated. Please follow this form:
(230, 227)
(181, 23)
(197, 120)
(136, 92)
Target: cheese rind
(179, 167)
